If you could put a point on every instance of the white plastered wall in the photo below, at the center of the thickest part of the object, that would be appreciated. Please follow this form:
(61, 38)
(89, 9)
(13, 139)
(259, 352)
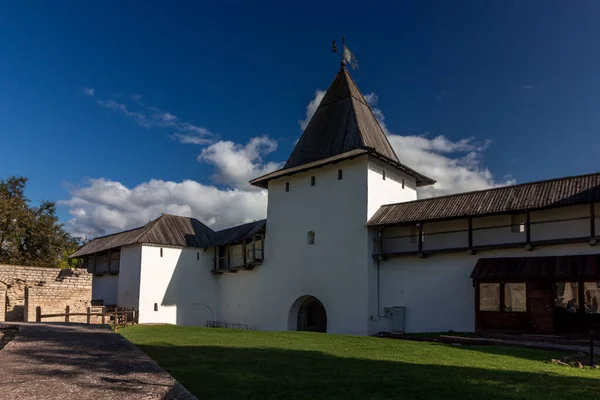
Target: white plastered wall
(438, 292)
(179, 283)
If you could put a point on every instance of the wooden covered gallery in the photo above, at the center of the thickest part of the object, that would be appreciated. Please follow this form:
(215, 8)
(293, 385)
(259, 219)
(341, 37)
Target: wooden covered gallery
(537, 294)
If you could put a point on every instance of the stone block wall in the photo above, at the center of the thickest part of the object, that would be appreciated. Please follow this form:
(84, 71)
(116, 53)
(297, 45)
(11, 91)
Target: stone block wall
(50, 288)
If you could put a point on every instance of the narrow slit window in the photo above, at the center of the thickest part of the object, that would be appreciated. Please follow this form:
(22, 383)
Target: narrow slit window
(287, 186)
(383, 174)
(155, 306)
(310, 237)
(198, 255)
(312, 181)
(339, 174)
(161, 251)
(402, 183)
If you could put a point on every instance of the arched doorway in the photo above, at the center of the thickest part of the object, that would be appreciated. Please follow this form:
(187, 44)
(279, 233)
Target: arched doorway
(308, 314)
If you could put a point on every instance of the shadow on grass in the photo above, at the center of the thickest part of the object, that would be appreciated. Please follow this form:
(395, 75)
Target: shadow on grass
(212, 372)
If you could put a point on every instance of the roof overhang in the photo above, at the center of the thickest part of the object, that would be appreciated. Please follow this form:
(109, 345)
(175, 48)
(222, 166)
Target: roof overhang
(263, 181)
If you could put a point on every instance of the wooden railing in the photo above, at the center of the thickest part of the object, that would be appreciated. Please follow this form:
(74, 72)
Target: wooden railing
(114, 316)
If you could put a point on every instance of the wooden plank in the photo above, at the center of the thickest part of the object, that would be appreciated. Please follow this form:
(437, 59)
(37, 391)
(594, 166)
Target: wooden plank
(89, 309)
(420, 238)
(470, 234)
(592, 220)
(109, 261)
(67, 314)
(244, 251)
(38, 314)
(528, 227)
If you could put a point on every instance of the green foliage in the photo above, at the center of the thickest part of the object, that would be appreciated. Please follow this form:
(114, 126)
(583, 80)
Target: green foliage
(32, 235)
(232, 364)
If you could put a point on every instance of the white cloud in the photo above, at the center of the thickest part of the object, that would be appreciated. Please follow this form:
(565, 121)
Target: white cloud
(312, 107)
(457, 166)
(236, 164)
(88, 92)
(153, 117)
(104, 206)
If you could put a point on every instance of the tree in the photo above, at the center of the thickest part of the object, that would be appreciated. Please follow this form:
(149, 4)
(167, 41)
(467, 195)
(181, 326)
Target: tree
(32, 235)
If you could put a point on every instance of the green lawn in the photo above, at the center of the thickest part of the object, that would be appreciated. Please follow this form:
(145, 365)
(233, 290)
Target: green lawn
(218, 363)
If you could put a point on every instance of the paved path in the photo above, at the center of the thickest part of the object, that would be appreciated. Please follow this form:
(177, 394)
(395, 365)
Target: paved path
(62, 361)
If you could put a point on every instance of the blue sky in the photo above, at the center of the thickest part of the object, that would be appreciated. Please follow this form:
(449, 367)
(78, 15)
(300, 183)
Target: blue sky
(512, 85)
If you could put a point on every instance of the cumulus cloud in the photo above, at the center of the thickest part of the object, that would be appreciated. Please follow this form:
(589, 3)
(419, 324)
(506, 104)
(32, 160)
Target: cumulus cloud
(103, 206)
(457, 166)
(236, 164)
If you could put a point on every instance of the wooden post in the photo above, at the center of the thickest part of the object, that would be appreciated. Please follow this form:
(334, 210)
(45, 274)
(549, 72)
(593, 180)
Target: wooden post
(67, 314)
(216, 258)
(420, 237)
(244, 251)
(95, 257)
(253, 247)
(109, 254)
(228, 256)
(89, 317)
(470, 220)
(38, 314)
(103, 316)
(528, 227)
(379, 239)
(592, 220)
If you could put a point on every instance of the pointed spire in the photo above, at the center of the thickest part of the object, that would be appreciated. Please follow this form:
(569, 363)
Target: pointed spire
(342, 122)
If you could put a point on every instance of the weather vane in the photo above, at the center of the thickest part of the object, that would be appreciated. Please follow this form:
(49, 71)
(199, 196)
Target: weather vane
(348, 57)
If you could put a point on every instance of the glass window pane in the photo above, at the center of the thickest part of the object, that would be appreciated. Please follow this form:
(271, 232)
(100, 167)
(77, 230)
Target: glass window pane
(489, 297)
(515, 297)
(591, 296)
(566, 296)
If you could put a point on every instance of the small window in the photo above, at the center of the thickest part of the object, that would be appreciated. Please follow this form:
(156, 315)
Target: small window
(287, 186)
(198, 255)
(402, 183)
(383, 175)
(339, 174)
(155, 306)
(515, 297)
(312, 181)
(517, 223)
(161, 252)
(489, 297)
(310, 237)
(566, 296)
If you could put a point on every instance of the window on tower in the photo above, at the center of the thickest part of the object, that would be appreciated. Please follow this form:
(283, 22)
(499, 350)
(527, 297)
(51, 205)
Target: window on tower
(339, 174)
(287, 186)
(312, 181)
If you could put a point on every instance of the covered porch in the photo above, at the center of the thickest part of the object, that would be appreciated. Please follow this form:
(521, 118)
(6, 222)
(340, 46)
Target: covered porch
(542, 295)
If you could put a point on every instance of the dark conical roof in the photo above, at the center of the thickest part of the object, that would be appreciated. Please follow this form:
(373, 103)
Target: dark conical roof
(343, 127)
(343, 122)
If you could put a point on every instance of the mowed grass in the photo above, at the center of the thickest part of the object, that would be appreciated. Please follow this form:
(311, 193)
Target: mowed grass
(232, 364)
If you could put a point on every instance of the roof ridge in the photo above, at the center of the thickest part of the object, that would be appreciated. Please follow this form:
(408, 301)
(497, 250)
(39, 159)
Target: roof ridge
(494, 188)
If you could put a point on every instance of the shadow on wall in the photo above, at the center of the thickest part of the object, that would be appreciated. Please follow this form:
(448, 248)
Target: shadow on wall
(192, 288)
(276, 373)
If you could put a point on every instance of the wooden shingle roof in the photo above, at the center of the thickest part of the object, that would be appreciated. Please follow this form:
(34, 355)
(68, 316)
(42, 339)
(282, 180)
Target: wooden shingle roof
(342, 127)
(527, 196)
(168, 230)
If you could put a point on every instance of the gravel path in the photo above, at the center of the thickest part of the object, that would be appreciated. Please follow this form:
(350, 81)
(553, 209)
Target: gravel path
(73, 361)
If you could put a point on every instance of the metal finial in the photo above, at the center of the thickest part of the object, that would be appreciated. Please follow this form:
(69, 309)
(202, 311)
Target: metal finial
(343, 63)
(333, 47)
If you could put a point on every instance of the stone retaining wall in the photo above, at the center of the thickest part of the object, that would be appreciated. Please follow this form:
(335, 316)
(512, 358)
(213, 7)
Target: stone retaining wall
(22, 289)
